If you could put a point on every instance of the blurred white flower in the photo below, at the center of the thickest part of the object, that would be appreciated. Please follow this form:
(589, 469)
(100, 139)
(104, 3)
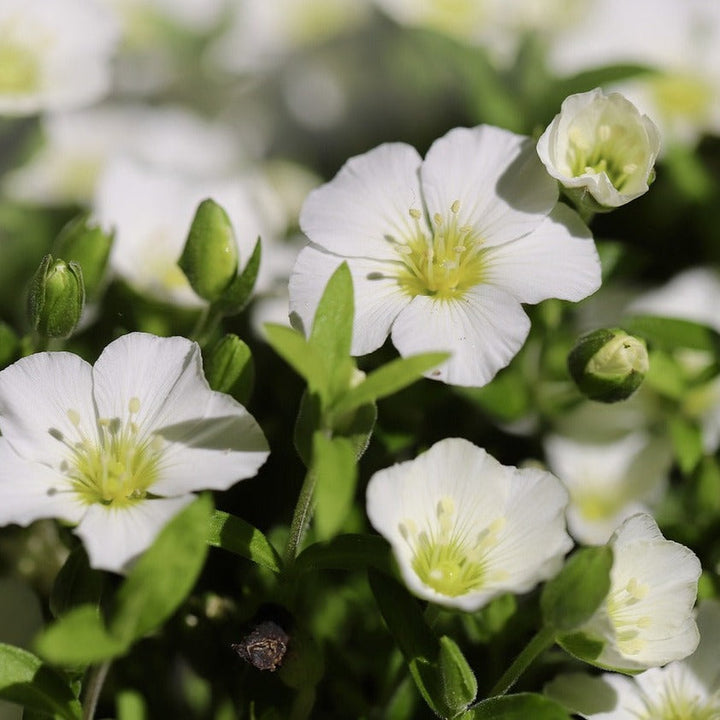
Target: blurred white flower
(118, 448)
(444, 251)
(608, 482)
(687, 688)
(602, 145)
(78, 145)
(465, 528)
(151, 211)
(646, 619)
(55, 54)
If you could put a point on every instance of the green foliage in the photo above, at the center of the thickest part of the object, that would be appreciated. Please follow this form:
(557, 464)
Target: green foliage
(674, 333)
(686, 441)
(238, 294)
(522, 706)
(76, 584)
(229, 368)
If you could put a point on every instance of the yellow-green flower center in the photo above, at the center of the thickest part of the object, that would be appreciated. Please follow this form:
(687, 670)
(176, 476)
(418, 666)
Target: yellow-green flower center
(596, 505)
(19, 69)
(623, 614)
(682, 96)
(449, 558)
(675, 704)
(115, 466)
(444, 264)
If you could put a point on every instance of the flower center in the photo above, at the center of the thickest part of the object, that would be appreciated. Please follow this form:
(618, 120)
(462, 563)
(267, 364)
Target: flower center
(442, 265)
(596, 505)
(445, 557)
(19, 69)
(682, 96)
(675, 703)
(623, 613)
(115, 467)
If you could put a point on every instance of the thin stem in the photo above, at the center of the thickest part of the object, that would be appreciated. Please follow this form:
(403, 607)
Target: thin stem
(206, 324)
(301, 517)
(543, 640)
(95, 683)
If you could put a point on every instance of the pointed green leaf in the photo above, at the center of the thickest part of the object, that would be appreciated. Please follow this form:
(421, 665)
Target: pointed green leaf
(164, 574)
(672, 333)
(459, 685)
(229, 368)
(523, 706)
(292, 347)
(27, 681)
(237, 536)
(388, 379)
(238, 294)
(346, 552)
(131, 706)
(335, 481)
(357, 427)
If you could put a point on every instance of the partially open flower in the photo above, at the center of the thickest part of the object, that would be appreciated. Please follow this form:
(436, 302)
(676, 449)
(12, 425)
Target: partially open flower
(601, 148)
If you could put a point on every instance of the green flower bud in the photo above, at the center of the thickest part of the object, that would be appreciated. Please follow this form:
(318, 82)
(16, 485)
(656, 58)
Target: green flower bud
(229, 368)
(56, 298)
(85, 243)
(210, 257)
(608, 365)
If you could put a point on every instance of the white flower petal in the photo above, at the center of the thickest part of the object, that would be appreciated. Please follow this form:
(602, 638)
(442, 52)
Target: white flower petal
(367, 202)
(557, 260)
(36, 394)
(502, 188)
(604, 697)
(483, 330)
(114, 537)
(378, 298)
(30, 491)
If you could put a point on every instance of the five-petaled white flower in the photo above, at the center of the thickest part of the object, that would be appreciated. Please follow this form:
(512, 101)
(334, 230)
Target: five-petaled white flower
(465, 528)
(118, 447)
(686, 689)
(54, 55)
(601, 144)
(646, 620)
(444, 251)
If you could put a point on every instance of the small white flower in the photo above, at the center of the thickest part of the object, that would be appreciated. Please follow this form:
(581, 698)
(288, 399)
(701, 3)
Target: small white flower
(444, 251)
(601, 144)
(465, 528)
(118, 447)
(54, 55)
(646, 619)
(685, 689)
(608, 482)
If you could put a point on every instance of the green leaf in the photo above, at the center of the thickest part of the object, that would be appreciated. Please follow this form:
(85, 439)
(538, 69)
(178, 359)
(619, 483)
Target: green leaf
(673, 333)
(80, 638)
(131, 706)
(459, 685)
(357, 427)
(523, 706)
(27, 681)
(507, 397)
(295, 350)
(332, 328)
(76, 584)
(666, 376)
(335, 481)
(237, 536)
(346, 552)
(388, 379)
(229, 368)
(581, 646)
(308, 420)
(238, 294)
(164, 574)
(687, 442)
(572, 597)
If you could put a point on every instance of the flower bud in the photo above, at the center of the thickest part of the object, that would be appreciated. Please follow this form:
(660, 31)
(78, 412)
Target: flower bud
(229, 368)
(85, 243)
(608, 365)
(210, 257)
(56, 298)
(602, 150)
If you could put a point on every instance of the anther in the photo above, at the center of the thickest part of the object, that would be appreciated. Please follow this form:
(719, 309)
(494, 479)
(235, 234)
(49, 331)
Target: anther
(415, 213)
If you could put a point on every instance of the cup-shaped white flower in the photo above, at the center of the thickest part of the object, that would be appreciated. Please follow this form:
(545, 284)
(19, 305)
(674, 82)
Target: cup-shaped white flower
(608, 482)
(55, 54)
(465, 528)
(118, 448)
(444, 251)
(687, 688)
(602, 145)
(646, 620)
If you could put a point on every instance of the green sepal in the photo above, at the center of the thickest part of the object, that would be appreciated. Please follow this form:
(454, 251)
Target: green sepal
(571, 598)
(581, 646)
(27, 681)
(238, 294)
(233, 534)
(522, 706)
(229, 368)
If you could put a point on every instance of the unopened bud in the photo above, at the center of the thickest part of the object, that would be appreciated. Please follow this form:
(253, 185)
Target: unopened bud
(57, 297)
(84, 242)
(210, 257)
(608, 365)
(229, 368)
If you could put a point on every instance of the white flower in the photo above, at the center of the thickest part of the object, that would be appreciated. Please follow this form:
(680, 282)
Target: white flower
(118, 447)
(444, 251)
(687, 688)
(151, 210)
(602, 144)
(608, 482)
(54, 55)
(465, 528)
(646, 619)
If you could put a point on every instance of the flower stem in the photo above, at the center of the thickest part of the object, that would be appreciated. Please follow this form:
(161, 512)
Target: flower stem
(206, 324)
(95, 683)
(543, 640)
(301, 518)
